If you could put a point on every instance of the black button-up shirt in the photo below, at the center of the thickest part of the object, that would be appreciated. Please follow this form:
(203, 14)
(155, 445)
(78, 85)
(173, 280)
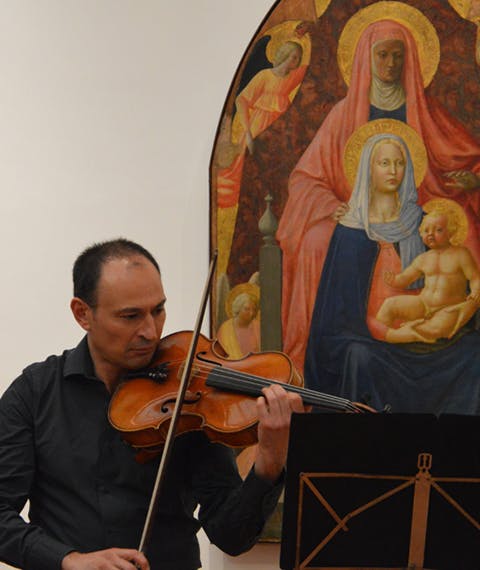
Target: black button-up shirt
(87, 492)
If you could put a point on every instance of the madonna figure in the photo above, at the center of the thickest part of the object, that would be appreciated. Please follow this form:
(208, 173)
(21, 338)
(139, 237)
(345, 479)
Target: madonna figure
(345, 356)
(386, 81)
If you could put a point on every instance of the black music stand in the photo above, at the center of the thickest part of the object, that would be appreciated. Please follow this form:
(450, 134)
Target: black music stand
(389, 491)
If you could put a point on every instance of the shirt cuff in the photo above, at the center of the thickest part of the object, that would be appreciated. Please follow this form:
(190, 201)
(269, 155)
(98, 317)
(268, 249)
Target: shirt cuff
(47, 554)
(265, 492)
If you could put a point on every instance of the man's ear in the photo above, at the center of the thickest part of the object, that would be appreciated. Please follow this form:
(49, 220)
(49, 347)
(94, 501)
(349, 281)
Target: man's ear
(82, 312)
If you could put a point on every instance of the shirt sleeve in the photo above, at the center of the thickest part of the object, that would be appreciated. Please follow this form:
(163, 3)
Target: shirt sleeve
(21, 544)
(232, 512)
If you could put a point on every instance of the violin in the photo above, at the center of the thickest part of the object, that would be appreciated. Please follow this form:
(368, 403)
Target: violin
(220, 397)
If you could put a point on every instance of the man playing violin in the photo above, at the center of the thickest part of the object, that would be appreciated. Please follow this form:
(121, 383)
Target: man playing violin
(88, 496)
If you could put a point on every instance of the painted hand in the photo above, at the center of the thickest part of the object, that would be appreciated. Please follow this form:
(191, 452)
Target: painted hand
(463, 180)
(340, 212)
(389, 277)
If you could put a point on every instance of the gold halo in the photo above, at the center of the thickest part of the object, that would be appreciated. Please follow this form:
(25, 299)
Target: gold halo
(356, 142)
(463, 8)
(250, 288)
(285, 32)
(321, 6)
(443, 205)
(425, 35)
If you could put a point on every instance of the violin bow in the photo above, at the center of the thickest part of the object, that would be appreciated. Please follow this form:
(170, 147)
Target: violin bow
(167, 449)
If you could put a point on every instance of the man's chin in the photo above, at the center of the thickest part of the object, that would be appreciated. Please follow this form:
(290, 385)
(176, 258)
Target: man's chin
(140, 359)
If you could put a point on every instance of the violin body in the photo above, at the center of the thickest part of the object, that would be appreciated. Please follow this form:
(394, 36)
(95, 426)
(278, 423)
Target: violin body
(141, 408)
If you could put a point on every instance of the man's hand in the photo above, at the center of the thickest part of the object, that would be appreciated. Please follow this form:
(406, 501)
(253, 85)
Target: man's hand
(275, 409)
(111, 559)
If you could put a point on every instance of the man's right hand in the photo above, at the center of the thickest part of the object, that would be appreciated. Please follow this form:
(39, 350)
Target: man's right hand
(110, 559)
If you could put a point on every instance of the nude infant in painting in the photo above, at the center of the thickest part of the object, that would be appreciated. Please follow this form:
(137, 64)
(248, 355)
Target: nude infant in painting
(444, 305)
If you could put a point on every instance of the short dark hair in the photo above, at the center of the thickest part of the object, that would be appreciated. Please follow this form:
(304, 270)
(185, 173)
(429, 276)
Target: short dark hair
(88, 265)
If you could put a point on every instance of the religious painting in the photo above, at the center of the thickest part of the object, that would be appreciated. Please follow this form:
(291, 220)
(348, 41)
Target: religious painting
(345, 201)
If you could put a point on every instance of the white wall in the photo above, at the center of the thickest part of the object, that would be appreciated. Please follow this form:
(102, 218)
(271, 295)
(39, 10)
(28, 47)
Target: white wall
(108, 111)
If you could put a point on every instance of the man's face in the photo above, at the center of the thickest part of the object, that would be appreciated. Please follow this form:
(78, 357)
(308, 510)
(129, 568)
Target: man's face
(125, 326)
(388, 57)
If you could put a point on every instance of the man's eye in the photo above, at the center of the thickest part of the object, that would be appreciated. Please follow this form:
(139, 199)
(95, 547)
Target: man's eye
(129, 317)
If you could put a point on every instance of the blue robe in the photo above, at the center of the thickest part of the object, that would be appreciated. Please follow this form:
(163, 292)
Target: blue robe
(343, 359)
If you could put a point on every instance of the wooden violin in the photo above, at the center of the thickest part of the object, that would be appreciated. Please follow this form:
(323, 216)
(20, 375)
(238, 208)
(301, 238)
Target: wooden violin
(220, 397)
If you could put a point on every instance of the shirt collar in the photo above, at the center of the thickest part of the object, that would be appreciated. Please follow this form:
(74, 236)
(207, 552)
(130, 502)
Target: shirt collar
(78, 362)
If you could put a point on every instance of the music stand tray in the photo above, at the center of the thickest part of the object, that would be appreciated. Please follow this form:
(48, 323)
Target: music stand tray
(386, 491)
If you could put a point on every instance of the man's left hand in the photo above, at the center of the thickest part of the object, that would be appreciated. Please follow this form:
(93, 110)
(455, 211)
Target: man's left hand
(275, 409)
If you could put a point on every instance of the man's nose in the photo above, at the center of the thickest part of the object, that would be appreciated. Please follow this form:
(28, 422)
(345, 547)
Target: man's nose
(148, 329)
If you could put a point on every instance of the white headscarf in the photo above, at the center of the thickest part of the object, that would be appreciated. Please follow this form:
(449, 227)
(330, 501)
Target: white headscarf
(403, 230)
(386, 96)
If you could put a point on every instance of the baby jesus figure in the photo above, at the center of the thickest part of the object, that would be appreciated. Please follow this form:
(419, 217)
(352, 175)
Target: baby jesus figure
(444, 304)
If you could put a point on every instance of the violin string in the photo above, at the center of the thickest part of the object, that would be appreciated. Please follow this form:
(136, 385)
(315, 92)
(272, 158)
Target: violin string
(231, 373)
(242, 379)
(309, 396)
